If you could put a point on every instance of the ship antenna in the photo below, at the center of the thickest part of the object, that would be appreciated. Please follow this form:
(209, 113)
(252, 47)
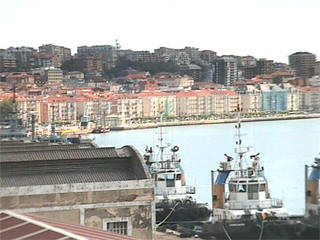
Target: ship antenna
(161, 146)
(238, 142)
(161, 139)
(240, 150)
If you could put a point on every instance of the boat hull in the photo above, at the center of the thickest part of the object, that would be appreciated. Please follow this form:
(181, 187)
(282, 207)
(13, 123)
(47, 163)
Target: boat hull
(284, 229)
(182, 213)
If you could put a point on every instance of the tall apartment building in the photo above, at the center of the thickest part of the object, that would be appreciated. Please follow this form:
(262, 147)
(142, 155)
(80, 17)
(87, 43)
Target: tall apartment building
(144, 56)
(7, 62)
(61, 54)
(303, 63)
(23, 56)
(191, 70)
(107, 53)
(264, 66)
(208, 56)
(225, 71)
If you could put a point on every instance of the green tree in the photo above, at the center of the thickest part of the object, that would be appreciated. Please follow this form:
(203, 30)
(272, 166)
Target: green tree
(7, 107)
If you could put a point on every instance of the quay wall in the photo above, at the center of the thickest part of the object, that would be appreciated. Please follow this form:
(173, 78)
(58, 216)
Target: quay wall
(215, 121)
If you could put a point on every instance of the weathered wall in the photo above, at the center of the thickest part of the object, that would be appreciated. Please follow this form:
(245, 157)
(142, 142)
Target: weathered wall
(133, 200)
(70, 216)
(62, 199)
(140, 216)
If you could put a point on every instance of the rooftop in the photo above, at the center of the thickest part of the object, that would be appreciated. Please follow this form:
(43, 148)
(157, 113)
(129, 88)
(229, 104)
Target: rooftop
(27, 226)
(58, 164)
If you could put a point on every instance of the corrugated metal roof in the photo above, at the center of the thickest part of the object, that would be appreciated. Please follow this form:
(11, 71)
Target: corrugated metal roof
(43, 147)
(104, 175)
(64, 154)
(26, 226)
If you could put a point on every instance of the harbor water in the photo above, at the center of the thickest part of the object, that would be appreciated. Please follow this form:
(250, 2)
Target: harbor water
(285, 147)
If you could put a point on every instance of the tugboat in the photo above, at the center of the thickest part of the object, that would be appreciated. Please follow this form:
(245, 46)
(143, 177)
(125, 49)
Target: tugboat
(242, 205)
(175, 201)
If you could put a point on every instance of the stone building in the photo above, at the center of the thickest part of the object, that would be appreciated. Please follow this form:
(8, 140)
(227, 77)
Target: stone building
(106, 188)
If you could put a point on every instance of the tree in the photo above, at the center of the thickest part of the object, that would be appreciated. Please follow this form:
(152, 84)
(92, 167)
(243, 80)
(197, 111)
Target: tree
(7, 107)
(152, 67)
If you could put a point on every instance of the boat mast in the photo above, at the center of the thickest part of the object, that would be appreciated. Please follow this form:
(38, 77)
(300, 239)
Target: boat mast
(240, 150)
(161, 147)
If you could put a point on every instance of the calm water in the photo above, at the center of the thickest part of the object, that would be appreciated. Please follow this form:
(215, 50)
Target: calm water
(284, 147)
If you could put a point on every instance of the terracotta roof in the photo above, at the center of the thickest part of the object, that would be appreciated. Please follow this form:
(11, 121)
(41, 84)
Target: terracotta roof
(14, 226)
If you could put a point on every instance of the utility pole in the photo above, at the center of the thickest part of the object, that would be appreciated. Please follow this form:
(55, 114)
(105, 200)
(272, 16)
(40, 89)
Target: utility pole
(33, 117)
(53, 127)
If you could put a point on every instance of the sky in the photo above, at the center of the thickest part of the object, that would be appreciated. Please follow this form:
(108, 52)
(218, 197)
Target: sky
(271, 29)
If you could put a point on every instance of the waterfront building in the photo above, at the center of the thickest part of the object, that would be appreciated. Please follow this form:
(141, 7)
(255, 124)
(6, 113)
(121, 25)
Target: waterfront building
(310, 98)
(303, 63)
(206, 102)
(251, 99)
(105, 188)
(274, 98)
(294, 97)
(130, 107)
(58, 108)
(157, 102)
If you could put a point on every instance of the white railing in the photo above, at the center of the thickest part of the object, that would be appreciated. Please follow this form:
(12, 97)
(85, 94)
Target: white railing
(175, 191)
(254, 204)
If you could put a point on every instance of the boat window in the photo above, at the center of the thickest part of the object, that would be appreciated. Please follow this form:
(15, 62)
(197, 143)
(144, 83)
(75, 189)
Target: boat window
(161, 178)
(178, 177)
(170, 177)
(253, 188)
(170, 180)
(262, 187)
(232, 188)
(242, 188)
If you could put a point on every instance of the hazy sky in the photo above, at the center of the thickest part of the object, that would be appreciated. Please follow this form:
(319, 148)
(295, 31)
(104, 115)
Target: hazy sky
(262, 28)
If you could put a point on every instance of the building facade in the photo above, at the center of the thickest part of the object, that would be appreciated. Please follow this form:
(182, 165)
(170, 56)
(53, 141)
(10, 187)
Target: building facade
(105, 188)
(303, 63)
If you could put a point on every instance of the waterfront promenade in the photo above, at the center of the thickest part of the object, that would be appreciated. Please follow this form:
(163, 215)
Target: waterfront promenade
(214, 121)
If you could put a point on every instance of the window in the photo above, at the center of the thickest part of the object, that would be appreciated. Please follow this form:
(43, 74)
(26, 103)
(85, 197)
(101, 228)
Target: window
(262, 187)
(119, 225)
